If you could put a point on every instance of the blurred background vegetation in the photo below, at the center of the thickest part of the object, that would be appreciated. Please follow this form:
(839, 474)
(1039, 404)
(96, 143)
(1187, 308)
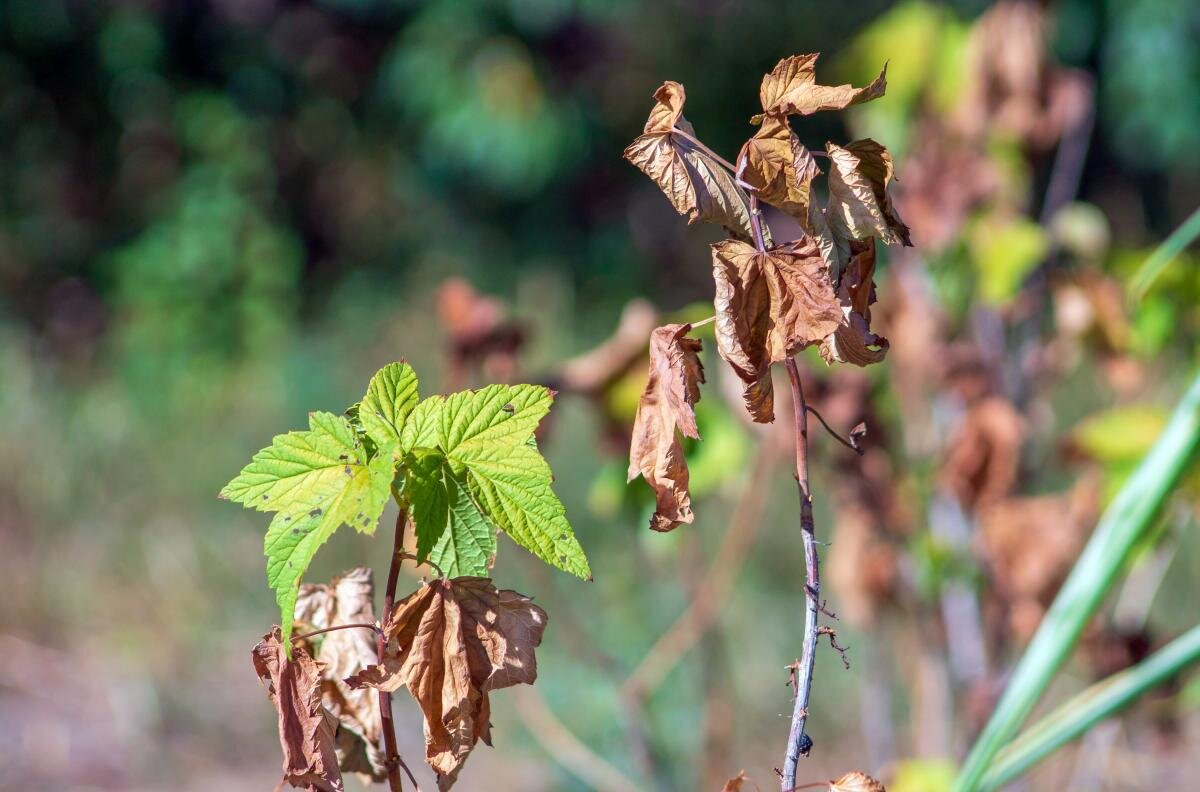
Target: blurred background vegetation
(217, 215)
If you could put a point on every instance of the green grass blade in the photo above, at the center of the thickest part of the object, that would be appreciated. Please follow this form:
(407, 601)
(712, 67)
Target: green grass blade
(1090, 707)
(1125, 521)
(1157, 261)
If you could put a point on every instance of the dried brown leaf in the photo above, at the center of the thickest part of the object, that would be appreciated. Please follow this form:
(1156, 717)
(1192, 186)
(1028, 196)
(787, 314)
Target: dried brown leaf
(852, 341)
(778, 168)
(859, 204)
(696, 184)
(343, 653)
(306, 729)
(856, 782)
(981, 467)
(769, 306)
(667, 404)
(1029, 544)
(736, 783)
(791, 89)
(451, 643)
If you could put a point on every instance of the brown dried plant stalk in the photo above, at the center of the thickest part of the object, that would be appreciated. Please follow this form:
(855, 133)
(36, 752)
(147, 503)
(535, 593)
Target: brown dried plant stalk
(772, 299)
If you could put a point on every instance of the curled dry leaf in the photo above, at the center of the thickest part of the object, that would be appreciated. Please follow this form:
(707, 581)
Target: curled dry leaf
(1029, 545)
(451, 643)
(982, 465)
(696, 184)
(853, 341)
(306, 729)
(736, 783)
(791, 89)
(343, 653)
(778, 168)
(859, 204)
(856, 782)
(667, 403)
(769, 306)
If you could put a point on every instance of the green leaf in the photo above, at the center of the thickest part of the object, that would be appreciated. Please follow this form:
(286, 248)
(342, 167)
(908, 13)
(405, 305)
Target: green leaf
(451, 530)
(486, 440)
(391, 397)
(514, 489)
(317, 480)
(297, 463)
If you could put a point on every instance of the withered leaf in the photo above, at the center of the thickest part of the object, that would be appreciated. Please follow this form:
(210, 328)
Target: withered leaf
(769, 306)
(306, 729)
(981, 467)
(859, 204)
(791, 88)
(856, 782)
(736, 783)
(343, 653)
(667, 403)
(696, 184)
(853, 341)
(779, 169)
(451, 643)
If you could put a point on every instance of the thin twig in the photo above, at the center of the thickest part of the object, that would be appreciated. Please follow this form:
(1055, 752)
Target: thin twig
(799, 743)
(856, 449)
(393, 760)
(703, 322)
(756, 224)
(363, 625)
(695, 142)
(404, 554)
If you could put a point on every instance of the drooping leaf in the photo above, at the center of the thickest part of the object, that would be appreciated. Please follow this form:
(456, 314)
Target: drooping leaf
(667, 404)
(778, 168)
(343, 653)
(859, 204)
(391, 396)
(853, 341)
(856, 782)
(485, 437)
(316, 480)
(791, 89)
(697, 185)
(306, 729)
(451, 530)
(451, 644)
(769, 306)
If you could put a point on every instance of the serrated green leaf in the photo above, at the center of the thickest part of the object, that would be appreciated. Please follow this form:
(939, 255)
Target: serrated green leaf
(391, 397)
(514, 489)
(451, 530)
(317, 480)
(421, 430)
(486, 438)
(297, 463)
(498, 416)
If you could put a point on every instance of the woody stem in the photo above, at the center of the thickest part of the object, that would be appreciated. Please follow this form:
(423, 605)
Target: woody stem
(393, 759)
(798, 742)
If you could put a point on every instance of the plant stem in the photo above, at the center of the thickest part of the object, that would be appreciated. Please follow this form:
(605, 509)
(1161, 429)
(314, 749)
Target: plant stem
(364, 626)
(798, 742)
(394, 762)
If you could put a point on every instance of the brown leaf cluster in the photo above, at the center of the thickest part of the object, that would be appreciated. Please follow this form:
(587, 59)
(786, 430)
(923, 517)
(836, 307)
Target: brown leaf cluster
(343, 653)
(667, 403)
(769, 306)
(1029, 544)
(697, 185)
(452, 643)
(306, 729)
